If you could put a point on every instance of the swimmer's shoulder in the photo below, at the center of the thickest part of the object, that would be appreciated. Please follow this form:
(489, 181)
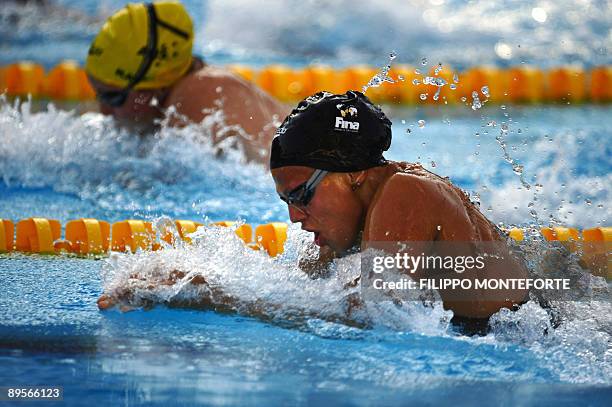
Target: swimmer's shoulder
(209, 79)
(200, 92)
(403, 208)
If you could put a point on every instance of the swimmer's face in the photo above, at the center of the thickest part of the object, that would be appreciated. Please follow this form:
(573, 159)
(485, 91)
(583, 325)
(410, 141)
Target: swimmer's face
(139, 106)
(335, 214)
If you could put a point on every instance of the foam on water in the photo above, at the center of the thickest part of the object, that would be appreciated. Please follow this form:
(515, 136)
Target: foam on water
(238, 279)
(176, 172)
(572, 338)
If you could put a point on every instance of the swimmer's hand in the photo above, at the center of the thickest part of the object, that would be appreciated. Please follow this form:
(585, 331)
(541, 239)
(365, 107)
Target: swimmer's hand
(125, 296)
(317, 265)
(105, 302)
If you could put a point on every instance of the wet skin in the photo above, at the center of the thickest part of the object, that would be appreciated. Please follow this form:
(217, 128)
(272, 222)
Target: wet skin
(248, 113)
(400, 202)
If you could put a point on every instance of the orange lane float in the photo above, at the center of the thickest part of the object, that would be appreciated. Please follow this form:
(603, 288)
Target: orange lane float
(403, 91)
(565, 84)
(519, 84)
(67, 81)
(133, 235)
(37, 235)
(7, 235)
(490, 84)
(87, 236)
(23, 78)
(244, 231)
(322, 77)
(516, 234)
(596, 249)
(525, 85)
(272, 237)
(280, 81)
(600, 86)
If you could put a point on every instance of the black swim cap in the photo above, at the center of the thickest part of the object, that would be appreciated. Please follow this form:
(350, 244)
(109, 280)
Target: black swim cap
(337, 133)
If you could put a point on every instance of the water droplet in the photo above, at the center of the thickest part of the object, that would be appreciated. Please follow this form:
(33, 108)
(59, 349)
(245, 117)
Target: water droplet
(392, 55)
(588, 202)
(439, 227)
(485, 90)
(408, 131)
(477, 134)
(504, 127)
(456, 78)
(503, 107)
(423, 96)
(463, 98)
(417, 71)
(476, 101)
(453, 86)
(403, 121)
(517, 168)
(433, 164)
(400, 78)
(438, 68)
(423, 61)
(430, 80)
(416, 82)
(421, 123)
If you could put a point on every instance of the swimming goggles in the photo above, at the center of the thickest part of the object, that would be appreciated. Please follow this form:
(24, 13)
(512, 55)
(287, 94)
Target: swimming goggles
(116, 98)
(301, 195)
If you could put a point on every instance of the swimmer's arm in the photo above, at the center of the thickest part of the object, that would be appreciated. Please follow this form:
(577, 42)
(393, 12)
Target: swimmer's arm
(124, 297)
(219, 301)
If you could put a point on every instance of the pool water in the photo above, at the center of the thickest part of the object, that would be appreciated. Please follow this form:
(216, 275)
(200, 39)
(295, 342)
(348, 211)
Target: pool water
(57, 164)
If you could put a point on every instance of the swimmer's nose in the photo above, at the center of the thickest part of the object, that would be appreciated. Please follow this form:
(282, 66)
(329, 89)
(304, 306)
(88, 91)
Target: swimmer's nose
(296, 215)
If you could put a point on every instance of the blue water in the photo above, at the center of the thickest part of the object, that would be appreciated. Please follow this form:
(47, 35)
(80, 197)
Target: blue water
(52, 333)
(62, 165)
(58, 164)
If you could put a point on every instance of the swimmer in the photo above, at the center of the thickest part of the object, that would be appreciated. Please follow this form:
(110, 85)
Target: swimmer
(328, 166)
(141, 64)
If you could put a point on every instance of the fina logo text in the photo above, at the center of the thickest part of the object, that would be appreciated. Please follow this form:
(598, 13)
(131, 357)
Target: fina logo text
(346, 125)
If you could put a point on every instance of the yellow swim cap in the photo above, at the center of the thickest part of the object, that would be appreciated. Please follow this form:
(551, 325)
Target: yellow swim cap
(119, 50)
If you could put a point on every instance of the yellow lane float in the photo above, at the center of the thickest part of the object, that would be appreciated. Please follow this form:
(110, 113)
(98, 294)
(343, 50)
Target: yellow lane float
(7, 236)
(95, 237)
(519, 84)
(596, 250)
(37, 235)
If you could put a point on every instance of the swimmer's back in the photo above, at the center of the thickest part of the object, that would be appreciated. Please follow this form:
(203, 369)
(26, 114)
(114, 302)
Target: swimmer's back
(247, 112)
(418, 205)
